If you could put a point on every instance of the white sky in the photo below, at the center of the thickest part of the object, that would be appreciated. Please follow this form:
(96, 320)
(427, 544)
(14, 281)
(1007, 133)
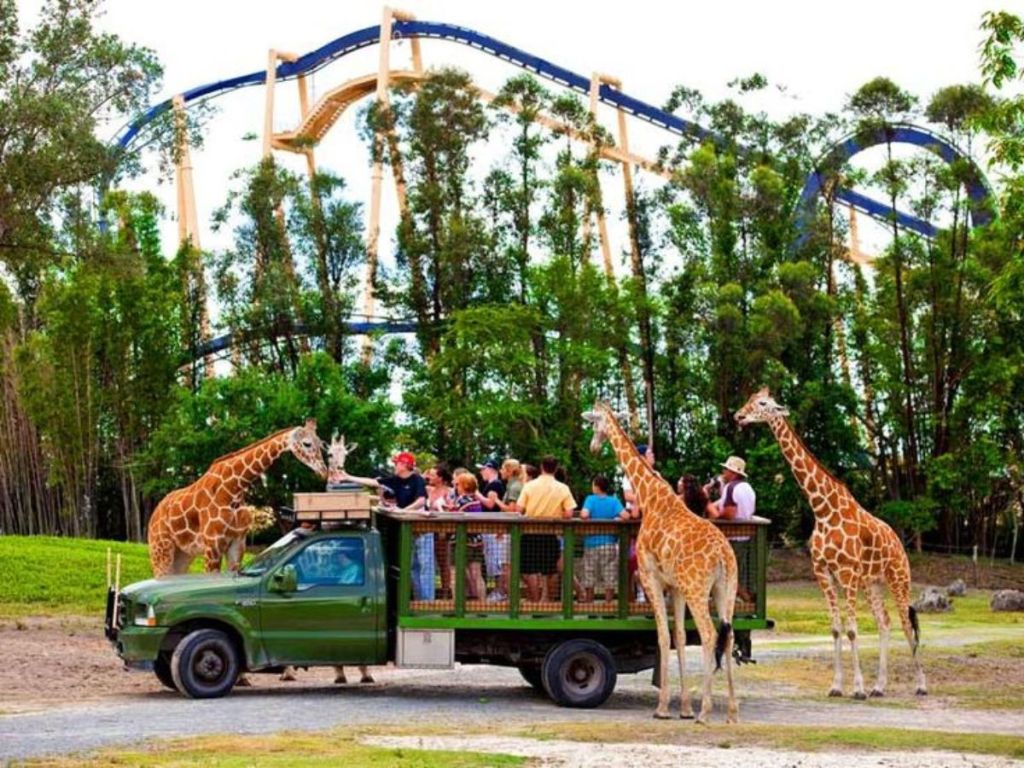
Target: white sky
(821, 51)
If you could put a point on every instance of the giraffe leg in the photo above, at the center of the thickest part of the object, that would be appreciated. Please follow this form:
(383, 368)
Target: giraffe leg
(339, 676)
(828, 587)
(724, 591)
(652, 586)
(162, 555)
(877, 601)
(366, 678)
(702, 618)
(850, 589)
(288, 675)
(900, 589)
(212, 557)
(679, 619)
(182, 561)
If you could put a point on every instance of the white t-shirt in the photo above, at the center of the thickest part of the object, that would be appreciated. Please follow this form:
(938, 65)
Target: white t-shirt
(744, 498)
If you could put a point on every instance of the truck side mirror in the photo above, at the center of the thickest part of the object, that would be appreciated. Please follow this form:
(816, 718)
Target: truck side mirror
(284, 580)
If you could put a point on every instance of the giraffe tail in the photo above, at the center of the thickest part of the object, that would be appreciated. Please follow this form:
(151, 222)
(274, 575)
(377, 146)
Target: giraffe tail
(915, 625)
(721, 643)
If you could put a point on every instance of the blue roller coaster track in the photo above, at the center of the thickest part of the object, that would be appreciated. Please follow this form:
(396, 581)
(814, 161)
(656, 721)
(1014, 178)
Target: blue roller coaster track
(978, 189)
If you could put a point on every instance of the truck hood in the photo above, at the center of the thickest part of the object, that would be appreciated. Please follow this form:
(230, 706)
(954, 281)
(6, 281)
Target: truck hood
(189, 587)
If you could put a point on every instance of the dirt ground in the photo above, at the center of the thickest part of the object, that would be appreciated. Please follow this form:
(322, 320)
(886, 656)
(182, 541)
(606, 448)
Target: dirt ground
(50, 662)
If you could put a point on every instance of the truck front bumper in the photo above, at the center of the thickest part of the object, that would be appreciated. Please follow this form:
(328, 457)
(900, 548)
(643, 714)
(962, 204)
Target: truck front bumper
(137, 645)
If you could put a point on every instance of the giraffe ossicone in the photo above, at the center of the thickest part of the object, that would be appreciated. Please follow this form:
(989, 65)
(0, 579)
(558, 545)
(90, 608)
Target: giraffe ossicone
(684, 554)
(850, 549)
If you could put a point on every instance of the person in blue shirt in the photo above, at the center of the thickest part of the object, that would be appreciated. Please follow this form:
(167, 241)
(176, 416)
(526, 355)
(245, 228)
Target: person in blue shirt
(601, 550)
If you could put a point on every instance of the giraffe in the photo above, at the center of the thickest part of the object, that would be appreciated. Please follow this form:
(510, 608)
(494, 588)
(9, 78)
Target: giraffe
(208, 518)
(850, 548)
(336, 455)
(679, 551)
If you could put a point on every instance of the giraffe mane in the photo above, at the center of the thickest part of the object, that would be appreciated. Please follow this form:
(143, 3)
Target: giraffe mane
(827, 472)
(250, 446)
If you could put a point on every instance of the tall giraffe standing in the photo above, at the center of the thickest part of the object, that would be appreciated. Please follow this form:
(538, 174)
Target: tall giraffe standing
(850, 548)
(687, 554)
(205, 518)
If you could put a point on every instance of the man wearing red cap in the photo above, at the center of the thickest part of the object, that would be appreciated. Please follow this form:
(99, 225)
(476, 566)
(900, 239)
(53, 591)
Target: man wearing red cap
(409, 492)
(406, 486)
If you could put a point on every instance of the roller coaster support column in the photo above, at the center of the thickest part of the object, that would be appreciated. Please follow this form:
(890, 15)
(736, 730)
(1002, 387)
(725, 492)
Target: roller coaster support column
(638, 270)
(373, 231)
(606, 253)
(188, 224)
(602, 226)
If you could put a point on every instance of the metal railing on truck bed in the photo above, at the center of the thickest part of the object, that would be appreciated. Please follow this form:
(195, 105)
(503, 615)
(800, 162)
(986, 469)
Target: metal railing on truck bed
(474, 569)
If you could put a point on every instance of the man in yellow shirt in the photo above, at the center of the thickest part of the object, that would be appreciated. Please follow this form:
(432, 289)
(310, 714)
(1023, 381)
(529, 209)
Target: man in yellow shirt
(544, 498)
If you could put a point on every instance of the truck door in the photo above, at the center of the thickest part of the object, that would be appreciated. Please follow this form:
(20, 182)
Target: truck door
(332, 616)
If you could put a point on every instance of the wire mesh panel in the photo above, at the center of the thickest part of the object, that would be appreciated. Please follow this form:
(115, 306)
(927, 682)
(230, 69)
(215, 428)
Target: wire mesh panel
(742, 538)
(430, 582)
(541, 566)
(488, 568)
(596, 571)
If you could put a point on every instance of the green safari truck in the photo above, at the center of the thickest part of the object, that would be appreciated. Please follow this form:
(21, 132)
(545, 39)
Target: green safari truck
(423, 592)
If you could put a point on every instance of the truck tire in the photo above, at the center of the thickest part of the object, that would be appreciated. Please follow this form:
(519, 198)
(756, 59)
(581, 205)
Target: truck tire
(205, 664)
(579, 673)
(532, 674)
(162, 667)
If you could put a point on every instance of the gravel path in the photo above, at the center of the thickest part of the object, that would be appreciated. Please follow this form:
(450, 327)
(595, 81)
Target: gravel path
(474, 696)
(567, 754)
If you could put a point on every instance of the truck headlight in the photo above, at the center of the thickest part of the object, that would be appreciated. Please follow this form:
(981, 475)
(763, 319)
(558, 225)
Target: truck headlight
(145, 616)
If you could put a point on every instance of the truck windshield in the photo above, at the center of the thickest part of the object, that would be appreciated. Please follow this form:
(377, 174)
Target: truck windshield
(272, 554)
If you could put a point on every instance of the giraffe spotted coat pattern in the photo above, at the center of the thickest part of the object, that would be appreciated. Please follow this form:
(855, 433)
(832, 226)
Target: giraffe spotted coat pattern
(207, 518)
(851, 549)
(684, 554)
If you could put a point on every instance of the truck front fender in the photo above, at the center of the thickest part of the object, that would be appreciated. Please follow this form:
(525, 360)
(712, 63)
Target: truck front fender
(185, 618)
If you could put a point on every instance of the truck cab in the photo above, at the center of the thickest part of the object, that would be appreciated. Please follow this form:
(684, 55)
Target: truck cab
(312, 598)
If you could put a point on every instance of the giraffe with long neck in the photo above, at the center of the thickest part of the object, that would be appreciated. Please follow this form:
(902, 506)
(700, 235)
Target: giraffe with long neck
(207, 518)
(850, 549)
(677, 551)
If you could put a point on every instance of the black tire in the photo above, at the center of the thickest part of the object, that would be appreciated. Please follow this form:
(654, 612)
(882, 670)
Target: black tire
(162, 667)
(205, 664)
(532, 675)
(579, 673)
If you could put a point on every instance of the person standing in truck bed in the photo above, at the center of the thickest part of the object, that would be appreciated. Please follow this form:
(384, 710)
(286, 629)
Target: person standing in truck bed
(543, 498)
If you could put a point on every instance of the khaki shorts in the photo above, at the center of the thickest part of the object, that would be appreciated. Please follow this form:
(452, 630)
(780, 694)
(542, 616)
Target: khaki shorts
(601, 567)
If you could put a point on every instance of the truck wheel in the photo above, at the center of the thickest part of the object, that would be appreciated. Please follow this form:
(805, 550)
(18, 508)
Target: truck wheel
(579, 673)
(205, 664)
(532, 675)
(162, 667)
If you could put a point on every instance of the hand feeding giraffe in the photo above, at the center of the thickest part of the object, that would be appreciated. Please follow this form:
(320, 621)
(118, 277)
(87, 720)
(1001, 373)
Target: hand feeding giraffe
(850, 548)
(337, 453)
(208, 518)
(687, 554)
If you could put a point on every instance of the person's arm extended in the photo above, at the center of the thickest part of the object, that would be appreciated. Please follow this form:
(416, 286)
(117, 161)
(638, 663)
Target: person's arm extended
(369, 482)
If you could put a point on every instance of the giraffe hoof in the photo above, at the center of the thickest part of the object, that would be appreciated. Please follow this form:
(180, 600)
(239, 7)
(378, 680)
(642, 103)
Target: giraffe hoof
(340, 681)
(921, 692)
(860, 695)
(835, 693)
(686, 715)
(662, 716)
(876, 693)
(287, 678)
(703, 720)
(367, 680)
(244, 682)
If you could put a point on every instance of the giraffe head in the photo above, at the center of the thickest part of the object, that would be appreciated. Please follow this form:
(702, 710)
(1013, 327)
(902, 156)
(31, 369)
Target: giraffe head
(760, 407)
(600, 418)
(336, 456)
(307, 447)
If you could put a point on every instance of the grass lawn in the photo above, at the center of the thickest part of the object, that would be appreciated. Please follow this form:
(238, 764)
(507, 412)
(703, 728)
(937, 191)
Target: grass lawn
(800, 608)
(779, 736)
(342, 745)
(290, 749)
(54, 575)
